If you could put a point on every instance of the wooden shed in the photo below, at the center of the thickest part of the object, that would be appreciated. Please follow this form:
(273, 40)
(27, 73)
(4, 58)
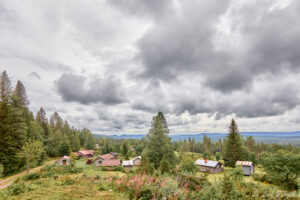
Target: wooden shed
(136, 161)
(209, 166)
(63, 161)
(247, 166)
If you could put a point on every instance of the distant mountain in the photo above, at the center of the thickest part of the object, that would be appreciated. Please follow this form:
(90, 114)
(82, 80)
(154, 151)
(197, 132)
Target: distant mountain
(266, 137)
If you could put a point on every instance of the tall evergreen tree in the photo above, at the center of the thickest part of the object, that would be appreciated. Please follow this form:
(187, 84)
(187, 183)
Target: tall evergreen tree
(5, 87)
(90, 142)
(159, 144)
(233, 146)
(13, 128)
(164, 123)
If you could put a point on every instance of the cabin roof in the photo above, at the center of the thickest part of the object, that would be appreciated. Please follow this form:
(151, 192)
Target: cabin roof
(106, 156)
(111, 163)
(86, 152)
(243, 163)
(210, 163)
(139, 157)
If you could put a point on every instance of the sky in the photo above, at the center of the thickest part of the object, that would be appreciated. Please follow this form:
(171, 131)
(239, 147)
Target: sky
(111, 65)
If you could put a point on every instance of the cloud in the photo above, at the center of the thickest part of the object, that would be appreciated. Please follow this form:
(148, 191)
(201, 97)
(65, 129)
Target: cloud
(154, 9)
(77, 88)
(227, 43)
(34, 75)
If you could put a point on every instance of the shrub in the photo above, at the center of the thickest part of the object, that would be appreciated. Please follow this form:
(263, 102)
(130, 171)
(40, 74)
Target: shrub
(67, 180)
(31, 176)
(1, 170)
(18, 188)
(188, 166)
(192, 183)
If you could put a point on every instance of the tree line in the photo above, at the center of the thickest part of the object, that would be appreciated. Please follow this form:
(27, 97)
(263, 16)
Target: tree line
(21, 130)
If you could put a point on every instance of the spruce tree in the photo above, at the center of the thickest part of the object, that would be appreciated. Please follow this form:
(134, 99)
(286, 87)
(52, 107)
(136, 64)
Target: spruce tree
(233, 146)
(161, 116)
(13, 128)
(159, 144)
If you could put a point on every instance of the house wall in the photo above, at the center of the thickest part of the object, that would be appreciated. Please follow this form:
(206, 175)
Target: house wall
(61, 161)
(247, 170)
(98, 162)
(137, 162)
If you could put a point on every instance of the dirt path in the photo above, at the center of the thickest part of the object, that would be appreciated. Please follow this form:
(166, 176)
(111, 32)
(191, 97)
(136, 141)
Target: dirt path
(9, 180)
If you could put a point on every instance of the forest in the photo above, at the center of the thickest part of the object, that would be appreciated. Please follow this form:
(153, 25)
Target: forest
(19, 126)
(168, 169)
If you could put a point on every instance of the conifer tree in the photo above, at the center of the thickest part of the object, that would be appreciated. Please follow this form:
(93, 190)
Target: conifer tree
(161, 116)
(233, 146)
(13, 128)
(159, 144)
(89, 142)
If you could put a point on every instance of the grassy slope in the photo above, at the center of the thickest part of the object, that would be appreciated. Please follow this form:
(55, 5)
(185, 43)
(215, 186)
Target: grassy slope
(50, 189)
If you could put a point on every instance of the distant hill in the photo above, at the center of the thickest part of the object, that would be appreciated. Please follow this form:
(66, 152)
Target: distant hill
(266, 137)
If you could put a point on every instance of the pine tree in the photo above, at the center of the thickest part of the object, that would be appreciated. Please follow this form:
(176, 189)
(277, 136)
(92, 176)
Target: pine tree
(233, 146)
(13, 128)
(20, 92)
(90, 142)
(161, 116)
(5, 87)
(124, 148)
(64, 148)
(250, 142)
(159, 144)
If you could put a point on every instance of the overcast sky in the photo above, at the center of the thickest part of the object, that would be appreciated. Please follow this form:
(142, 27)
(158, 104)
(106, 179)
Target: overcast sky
(110, 65)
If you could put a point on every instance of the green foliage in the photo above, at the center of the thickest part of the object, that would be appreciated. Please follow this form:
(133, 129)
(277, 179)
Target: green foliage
(31, 176)
(31, 151)
(18, 188)
(1, 170)
(228, 188)
(145, 166)
(233, 147)
(207, 155)
(89, 142)
(188, 165)
(218, 156)
(159, 145)
(283, 168)
(64, 148)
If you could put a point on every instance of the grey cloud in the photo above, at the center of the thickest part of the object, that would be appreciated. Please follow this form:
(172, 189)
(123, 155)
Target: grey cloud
(186, 43)
(34, 75)
(77, 88)
(155, 9)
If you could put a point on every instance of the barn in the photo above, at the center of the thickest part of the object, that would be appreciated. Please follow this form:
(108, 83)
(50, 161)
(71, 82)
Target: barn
(247, 166)
(209, 166)
(63, 161)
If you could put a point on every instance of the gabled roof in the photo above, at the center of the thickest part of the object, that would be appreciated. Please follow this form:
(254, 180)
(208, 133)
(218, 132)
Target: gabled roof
(127, 163)
(107, 156)
(111, 163)
(86, 152)
(139, 157)
(64, 158)
(244, 163)
(210, 163)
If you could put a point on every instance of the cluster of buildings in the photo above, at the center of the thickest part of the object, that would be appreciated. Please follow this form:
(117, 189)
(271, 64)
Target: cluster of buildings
(212, 166)
(111, 160)
(106, 160)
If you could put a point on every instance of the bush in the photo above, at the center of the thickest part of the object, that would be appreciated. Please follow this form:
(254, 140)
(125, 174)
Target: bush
(31, 176)
(51, 170)
(18, 188)
(1, 170)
